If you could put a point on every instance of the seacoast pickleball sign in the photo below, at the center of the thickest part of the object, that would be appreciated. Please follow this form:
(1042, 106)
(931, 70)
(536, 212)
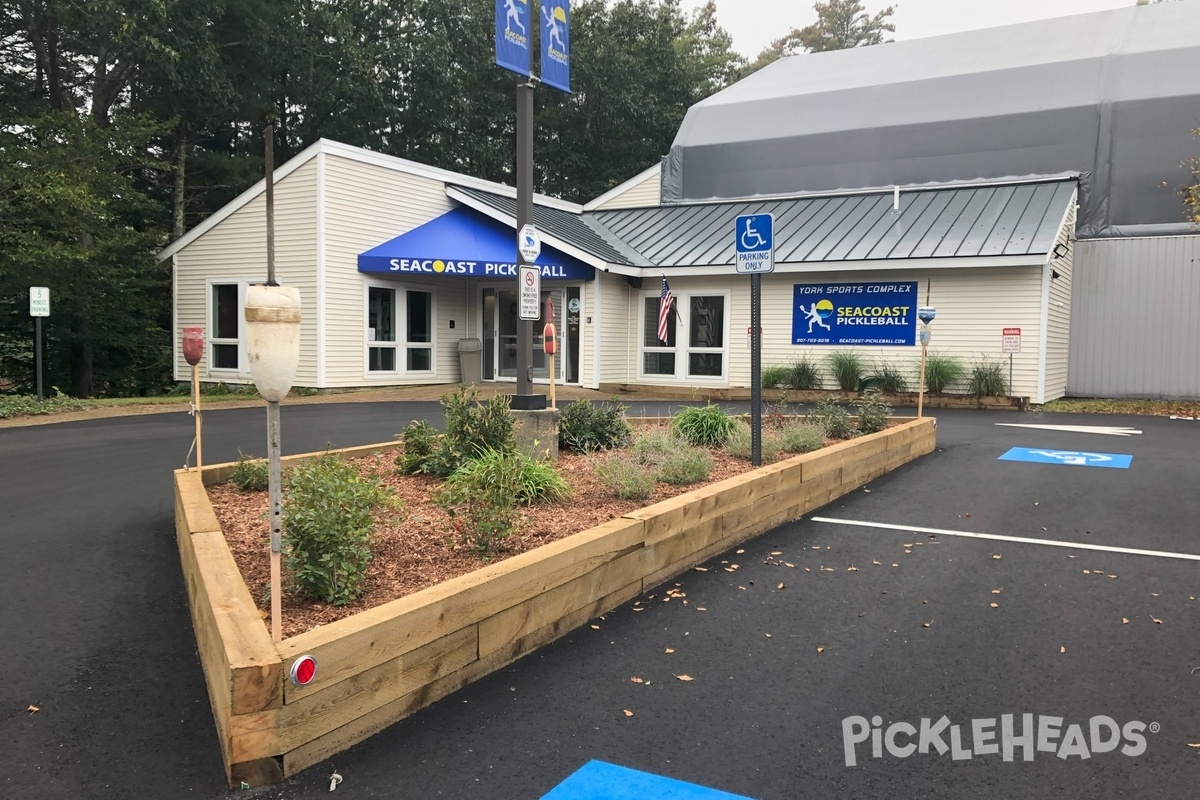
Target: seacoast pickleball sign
(854, 313)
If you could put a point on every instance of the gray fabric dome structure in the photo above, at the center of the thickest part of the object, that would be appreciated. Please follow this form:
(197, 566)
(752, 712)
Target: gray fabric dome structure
(1109, 97)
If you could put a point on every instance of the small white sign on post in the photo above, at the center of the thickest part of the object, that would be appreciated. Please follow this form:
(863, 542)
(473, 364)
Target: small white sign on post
(529, 243)
(1010, 340)
(39, 301)
(529, 304)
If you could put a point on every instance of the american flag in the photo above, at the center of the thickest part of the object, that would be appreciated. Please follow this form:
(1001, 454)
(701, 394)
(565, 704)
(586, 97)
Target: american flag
(665, 301)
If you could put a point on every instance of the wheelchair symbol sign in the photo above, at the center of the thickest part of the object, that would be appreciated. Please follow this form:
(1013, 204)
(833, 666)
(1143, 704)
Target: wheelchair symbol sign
(1072, 458)
(754, 243)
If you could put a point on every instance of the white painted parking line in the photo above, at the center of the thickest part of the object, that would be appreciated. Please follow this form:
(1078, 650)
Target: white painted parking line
(1105, 430)
(1016, 539)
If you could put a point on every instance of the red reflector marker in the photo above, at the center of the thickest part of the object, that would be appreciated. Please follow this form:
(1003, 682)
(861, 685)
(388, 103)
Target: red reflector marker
(304, 669)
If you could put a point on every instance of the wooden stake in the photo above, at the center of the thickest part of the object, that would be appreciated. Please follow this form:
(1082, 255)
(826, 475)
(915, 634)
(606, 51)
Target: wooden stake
(552, 405)
(275, 491)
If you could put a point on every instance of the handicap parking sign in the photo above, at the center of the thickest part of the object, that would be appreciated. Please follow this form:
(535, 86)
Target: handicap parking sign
(1071, 458)
(754, 244)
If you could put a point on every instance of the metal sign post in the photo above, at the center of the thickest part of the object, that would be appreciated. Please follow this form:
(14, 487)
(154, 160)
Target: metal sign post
(926, 314)
(1010, 342)
(39, 306)
(754, 248)
(513, 51)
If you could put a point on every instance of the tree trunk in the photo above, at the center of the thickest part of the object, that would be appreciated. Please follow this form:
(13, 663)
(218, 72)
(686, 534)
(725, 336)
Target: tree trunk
(81, 360)
(178, 197)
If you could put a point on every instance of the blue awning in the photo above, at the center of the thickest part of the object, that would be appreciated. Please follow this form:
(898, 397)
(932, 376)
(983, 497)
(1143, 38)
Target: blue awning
(467, 243)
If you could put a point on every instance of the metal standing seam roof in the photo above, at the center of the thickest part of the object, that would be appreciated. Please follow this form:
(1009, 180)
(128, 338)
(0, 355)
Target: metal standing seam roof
(946, 222)
(569, 227)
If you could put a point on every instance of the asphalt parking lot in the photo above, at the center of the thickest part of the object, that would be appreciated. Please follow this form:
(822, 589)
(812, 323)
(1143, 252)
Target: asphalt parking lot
(830, 649)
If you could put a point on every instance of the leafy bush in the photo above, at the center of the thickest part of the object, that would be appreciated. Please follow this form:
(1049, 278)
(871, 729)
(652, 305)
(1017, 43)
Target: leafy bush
(586, 428)
(740, 443)
(833, 419)
(704, 426)
(774, 377)
(536, 481)
(653, 446)
(421, 441)
(685, 465)
(625, 477)
(22, 405)
(801, 437)
(328, 517)
(873, 413)
(481, 500)
(249, 474)
(887, 377)
(848, 369)
(804, 374)
(942, 372)
(472, 428)
(987, 380)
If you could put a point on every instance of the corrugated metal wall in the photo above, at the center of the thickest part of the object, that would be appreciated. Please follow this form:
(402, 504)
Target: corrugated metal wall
(1135, 318)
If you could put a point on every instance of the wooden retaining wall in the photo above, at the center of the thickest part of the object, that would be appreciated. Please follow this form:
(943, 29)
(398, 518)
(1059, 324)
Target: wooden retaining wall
(383, 664)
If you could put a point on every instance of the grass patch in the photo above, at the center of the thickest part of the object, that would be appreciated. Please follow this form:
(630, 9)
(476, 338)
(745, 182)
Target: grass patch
(848, 368)
(1156, 408)
(942, 372)
(804, 375)
(774, 377)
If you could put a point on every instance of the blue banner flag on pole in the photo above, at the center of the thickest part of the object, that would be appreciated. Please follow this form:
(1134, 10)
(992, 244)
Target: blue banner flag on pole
(556, 44)
(513, 35)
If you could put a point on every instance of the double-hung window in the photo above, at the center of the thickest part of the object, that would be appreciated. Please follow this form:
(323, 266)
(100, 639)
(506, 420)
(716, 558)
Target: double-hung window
(696, 344)
(225, 340)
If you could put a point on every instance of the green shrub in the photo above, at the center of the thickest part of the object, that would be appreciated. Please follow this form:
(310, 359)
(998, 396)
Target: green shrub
(421, 441)
(804, 374)
(774, 377)
(739, 444)
(652, 446)
(848, 369)
(625, 477)
(482, 500)
(833, 419)
(250, 473)
(703, 426)
(22, 405)
(887, 377)
(536, 481)
(472, 428)
(328, 518)
(801, 437)
(942, 372)
(987, 380)
(586, 428)
(685, 465)
(473, 425)
(873, 413)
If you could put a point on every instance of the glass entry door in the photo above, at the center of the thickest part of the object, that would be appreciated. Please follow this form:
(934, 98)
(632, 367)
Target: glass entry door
(506, 319)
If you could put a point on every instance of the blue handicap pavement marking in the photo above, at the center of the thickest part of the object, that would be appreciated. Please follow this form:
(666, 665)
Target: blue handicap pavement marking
(597, 780)
(1072, 458)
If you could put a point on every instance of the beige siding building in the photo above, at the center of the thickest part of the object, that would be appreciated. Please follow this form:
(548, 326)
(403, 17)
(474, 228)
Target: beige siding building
(400, 266)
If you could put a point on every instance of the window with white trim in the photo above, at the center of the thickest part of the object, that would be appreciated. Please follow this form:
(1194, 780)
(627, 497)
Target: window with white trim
(702, 352)
(224, 340)
(389, 311)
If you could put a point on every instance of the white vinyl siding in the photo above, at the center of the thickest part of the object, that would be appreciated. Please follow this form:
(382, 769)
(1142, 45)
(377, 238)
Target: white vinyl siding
(1058, 317)
(235, 251)
(366, 205)
(638, 192)
(618, 327)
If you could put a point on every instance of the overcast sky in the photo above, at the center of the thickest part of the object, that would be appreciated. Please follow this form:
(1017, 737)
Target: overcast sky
(756, 23)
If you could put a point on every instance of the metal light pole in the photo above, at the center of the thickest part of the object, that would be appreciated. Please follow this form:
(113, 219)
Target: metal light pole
(525, 399)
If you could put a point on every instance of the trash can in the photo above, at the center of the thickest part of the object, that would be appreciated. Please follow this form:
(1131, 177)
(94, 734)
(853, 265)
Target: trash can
(470, 355)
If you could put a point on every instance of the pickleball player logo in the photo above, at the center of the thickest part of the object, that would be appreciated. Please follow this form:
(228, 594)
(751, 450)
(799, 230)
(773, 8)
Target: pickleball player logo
(817, 313)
